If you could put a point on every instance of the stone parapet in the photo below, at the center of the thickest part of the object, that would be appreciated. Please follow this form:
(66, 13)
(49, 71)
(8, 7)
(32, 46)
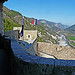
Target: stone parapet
(1, 19)
(30, 64)
(20, 62)
(14, 34)
(34, 65)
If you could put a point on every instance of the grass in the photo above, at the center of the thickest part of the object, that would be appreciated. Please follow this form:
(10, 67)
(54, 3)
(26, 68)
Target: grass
(71, 38)
(73, 44)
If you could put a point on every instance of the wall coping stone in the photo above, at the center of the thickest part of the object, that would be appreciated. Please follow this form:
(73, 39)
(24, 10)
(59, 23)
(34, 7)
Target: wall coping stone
(25, 56)
(22, 54)
(44, 65)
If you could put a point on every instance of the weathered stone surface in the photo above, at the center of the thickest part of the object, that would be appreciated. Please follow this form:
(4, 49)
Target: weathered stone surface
(23, 63)
(66, 53)
(64, 66)
(31, 48)
(35, 65)
(1, 19)
(6, 56)
(12, 34)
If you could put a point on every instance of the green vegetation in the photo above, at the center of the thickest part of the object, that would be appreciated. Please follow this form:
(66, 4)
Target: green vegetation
(8, 25)
(12, 13)
(42, 30)
(39, 39)
(71, 38)
(14, 19)
(73, 44)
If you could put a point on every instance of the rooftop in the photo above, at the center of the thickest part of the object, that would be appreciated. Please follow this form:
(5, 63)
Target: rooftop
(66, 53)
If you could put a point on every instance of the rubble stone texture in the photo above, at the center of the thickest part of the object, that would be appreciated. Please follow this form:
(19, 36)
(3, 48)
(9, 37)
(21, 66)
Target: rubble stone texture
(1, 18)
(66, 53)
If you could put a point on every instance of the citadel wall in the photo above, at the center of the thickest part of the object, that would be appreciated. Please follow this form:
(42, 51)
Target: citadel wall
(1, 19)
(23, 63)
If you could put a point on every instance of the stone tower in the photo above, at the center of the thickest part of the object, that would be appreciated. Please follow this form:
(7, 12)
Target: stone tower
(1, 16)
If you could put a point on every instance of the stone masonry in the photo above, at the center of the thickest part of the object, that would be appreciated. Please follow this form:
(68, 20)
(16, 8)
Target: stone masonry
(1, 18)
(60, 52)
(29, 35)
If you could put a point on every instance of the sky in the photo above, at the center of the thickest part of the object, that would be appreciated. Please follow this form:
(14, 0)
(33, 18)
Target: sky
(59, 11)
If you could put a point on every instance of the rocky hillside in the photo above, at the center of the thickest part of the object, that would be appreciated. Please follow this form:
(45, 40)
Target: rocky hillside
(53, 25)
(72, 28)
(13, 18)
(70, 31)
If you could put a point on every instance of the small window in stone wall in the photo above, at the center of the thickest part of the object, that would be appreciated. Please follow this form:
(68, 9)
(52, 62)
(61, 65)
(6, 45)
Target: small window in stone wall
(28, 36)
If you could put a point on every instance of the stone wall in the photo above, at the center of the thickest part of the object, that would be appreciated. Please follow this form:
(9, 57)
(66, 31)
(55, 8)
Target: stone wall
(1, 19)
(6, 57)
(12, 34)
(23, 63)
(28, 64)
(30, 47)
(29, 35)
(33, 48)
(46, 55)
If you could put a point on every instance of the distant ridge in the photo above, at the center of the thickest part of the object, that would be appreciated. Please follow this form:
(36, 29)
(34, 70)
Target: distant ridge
(59, 26)
(71, 28)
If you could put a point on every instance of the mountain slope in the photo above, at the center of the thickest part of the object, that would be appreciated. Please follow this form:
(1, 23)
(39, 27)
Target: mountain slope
(71, 28)
(53, 25)
(13, 18)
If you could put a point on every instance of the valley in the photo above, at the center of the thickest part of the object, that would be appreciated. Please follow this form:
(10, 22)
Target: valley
(47, 32)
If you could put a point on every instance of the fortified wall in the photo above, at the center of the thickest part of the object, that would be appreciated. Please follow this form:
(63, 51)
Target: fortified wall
(1, 18)
(21, 62)
(25, 61)
(31, 48)
(28, 41)
(12, 34)
(15, 60)
(28, 35)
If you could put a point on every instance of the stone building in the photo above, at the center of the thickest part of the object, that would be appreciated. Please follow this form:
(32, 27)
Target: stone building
(1, 16)
(13, 34)
(29, 35)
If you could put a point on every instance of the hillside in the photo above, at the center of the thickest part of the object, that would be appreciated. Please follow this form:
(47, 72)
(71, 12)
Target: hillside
(70, 31)
(13, 18)
(54, 26)
(72, 28)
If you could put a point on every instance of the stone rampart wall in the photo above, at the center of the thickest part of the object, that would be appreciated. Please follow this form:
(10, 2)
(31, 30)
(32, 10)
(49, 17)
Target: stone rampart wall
(23, 63)
(12, 34)
(31, 48)
(46, 55)
(1, 19)
(34, 47)
(34, 65)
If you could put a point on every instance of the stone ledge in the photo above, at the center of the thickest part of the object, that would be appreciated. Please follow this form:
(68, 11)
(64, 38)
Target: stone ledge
(38, 65)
